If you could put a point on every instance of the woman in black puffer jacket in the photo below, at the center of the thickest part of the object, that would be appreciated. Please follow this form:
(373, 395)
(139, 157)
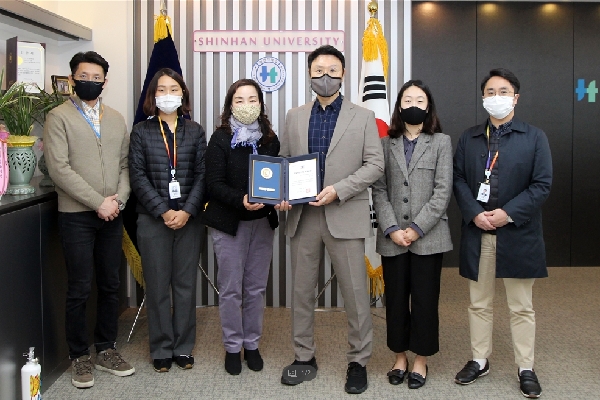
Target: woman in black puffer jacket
(167, 175)
(242, 232)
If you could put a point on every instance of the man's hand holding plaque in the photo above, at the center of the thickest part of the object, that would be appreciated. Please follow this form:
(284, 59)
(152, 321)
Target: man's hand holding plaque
(283, 206)
(326, 196)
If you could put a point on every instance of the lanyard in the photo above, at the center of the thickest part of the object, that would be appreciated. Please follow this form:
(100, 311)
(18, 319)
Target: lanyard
(88, 119)
(489, 166)
(172, 164)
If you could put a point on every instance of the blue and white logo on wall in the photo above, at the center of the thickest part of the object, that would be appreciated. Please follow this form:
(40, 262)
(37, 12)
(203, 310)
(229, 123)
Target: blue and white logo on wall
(269, 72)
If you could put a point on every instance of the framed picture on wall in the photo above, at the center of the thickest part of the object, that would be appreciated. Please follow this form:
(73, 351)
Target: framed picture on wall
(61, 85)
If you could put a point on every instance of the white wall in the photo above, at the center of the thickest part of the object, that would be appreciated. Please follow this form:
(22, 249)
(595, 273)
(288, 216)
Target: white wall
(112, 37)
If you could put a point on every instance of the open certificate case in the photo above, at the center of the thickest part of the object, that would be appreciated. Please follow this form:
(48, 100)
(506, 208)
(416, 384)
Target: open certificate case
(274, 179)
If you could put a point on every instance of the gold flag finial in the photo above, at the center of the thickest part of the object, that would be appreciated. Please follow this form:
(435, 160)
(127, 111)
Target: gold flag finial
(373, 7)
(162, 26)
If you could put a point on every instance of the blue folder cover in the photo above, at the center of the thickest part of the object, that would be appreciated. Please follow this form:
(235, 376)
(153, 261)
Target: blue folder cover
(267, 180)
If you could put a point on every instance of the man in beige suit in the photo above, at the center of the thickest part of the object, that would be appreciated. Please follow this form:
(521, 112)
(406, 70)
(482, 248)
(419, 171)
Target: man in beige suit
(351, 159)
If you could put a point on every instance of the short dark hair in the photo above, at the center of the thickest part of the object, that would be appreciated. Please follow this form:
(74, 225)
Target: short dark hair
(502, 73)
(326, 50)
(431, 124)
(263, 119)
(149, 106)
(88, 57)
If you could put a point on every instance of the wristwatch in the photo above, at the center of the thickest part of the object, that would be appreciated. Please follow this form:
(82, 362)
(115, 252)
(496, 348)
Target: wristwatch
(121, 205)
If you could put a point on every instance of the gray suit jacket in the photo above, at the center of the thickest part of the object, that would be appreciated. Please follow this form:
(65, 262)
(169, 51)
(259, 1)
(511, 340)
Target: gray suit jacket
(354, 161)
(419, 194)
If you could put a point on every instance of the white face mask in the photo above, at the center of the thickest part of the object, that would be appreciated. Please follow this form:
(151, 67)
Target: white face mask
(498, 106)
(168, 103)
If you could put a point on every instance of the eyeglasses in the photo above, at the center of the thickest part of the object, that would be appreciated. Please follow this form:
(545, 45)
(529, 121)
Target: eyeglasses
(84, 77)
(501, 92)
(331, 71)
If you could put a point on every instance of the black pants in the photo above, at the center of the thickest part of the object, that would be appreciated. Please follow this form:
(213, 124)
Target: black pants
(170, 262)
(89, 242)
(412, 291)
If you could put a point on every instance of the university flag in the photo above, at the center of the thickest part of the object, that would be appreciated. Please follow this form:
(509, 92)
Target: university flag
(164, 55)
(373, 96)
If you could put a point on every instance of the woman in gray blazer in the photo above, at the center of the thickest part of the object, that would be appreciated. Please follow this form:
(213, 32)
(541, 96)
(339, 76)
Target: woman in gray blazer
(410, 201)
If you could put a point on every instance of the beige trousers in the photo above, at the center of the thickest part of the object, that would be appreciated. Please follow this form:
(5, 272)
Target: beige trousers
(348, 262)
(481, 314)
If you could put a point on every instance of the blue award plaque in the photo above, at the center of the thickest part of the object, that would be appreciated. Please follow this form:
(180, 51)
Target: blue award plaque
(272, 180)
(266, 180)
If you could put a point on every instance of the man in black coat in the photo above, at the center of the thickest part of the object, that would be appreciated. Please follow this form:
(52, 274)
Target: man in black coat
(502, 176)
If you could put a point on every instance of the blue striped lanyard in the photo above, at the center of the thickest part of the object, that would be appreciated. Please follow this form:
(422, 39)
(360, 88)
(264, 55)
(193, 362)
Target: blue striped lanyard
(489, 166)
(88, 119)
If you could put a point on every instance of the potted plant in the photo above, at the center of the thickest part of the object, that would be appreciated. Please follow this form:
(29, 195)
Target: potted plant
(20, 109)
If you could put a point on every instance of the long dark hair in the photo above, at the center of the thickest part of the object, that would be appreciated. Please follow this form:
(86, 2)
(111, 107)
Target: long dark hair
(149, 106)
(431, 124)
(263, 119)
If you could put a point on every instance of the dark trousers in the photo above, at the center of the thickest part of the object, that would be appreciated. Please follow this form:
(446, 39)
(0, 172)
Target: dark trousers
(170, 262)
(90, 242)
(412, 291)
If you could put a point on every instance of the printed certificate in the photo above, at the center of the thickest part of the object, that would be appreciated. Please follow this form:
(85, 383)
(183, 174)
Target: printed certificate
(302, 179)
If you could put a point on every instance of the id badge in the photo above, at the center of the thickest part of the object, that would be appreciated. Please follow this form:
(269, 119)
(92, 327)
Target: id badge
(484, 192)
(174, 190)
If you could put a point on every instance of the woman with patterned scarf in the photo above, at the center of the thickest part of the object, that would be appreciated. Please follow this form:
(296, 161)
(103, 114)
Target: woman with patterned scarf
(242, 232)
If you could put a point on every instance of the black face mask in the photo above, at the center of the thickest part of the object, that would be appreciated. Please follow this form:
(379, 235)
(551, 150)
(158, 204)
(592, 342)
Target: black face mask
(413, 115)
(88, 90)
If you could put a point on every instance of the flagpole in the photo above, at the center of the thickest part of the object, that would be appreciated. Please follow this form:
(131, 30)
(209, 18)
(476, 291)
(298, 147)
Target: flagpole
(373, 92)
(163, 8)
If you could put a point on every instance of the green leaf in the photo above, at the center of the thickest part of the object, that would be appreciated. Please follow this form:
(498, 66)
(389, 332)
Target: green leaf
(20, 109)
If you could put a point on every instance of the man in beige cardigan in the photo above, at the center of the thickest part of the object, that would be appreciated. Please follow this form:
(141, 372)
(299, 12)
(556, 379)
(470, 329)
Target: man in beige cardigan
(86, 145)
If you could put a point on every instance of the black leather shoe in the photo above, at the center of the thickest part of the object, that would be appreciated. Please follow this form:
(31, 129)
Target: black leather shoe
(416, 380)
(162, 364)
(356, 378)
(184, 361)
(233, 363)
(530, 387)
(471, 372)
(255, 361)
(396, 376)
(299, 371)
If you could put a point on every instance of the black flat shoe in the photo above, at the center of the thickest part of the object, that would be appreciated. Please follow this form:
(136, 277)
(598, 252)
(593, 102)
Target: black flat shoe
(529, 384)
(471, 372)
(255, 361)
(233, 363)
(396, 376)
(416, 380)
(162, 364)
(356, 378)
(184, 361)
(299, 371)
